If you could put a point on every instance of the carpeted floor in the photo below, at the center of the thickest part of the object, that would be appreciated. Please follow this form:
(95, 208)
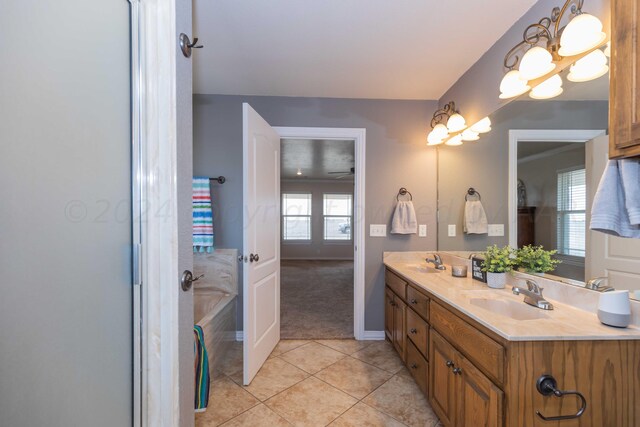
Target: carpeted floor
(316, 299)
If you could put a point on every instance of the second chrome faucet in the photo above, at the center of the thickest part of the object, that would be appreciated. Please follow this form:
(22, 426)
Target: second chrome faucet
(437, 262)
(533, 295)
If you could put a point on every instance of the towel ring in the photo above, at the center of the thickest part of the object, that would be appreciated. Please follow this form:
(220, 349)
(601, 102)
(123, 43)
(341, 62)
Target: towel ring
(403, 192)
(472, 192)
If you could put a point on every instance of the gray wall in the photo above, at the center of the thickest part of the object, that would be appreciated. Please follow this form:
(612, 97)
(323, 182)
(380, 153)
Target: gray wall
(484, 164)
(395, 157)
(476, 91)
(65, 239)
(317, 248)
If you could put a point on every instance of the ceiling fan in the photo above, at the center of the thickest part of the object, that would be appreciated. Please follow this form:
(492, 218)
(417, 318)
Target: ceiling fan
(342, 174)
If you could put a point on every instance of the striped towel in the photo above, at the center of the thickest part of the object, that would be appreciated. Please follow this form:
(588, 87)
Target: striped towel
(201, 367)
(202, 216)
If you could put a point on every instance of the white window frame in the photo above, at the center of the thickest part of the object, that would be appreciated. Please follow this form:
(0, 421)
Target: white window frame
(283, 215)
(324, 216)
(560, 214)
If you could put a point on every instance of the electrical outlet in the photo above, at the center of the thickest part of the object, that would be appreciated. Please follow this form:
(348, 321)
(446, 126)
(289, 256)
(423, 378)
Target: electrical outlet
(377, 230)
(422, 230)
(452, 230)
(496, 230)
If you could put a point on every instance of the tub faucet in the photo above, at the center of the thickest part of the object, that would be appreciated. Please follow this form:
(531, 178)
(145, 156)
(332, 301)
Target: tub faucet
(533, 295)
(437, 262)
(596, 285)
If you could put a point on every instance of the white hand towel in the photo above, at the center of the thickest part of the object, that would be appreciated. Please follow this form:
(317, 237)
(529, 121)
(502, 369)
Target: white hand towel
(475, 219)
(616, 205)
(404, 219)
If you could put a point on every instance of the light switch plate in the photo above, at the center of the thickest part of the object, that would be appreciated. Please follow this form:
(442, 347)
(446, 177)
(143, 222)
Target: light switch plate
(377, 230)
(452, 230)
(496, 230)
(422, 230)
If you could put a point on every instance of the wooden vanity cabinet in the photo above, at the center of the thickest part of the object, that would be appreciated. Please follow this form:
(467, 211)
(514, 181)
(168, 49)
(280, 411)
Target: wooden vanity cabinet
(395, 312)
(624, 86)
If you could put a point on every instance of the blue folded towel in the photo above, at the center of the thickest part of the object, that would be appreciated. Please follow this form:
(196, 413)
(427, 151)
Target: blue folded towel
(201, 367)
(616, 205)
(202, 215)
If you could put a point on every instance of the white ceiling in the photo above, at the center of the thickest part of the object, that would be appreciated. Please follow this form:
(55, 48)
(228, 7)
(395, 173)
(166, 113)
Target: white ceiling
(381, 49)
(317, 159)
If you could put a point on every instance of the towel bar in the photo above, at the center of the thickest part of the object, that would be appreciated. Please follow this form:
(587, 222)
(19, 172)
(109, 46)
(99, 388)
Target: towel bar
(403, 192)
(221, 179)
(472, 192)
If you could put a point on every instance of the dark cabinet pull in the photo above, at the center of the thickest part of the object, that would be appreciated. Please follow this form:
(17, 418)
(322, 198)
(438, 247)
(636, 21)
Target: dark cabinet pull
(413, 331)
(457, 371)
(548, 386)
(450, 364)
(414, 366)
(414, 301)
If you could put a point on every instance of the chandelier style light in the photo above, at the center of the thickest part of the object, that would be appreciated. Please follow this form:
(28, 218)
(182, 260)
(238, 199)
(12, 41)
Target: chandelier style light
(581, 38)
(449, 127)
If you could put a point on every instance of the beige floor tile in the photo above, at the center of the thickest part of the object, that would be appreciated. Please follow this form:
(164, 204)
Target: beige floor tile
(287, 345)
(404, 372)
(258, 416)
(354, 377)
(226, 400)
(274, 376)
(400, 398)
(345, 346)
(311, 403)
(362, 415)
(380, 354)
(232, 363)
(312, 357)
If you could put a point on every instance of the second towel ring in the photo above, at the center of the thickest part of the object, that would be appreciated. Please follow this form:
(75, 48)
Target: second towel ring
(403, 192)
(472, 192)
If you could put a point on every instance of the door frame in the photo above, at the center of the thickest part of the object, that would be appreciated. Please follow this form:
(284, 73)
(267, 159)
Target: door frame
(535, 135)
(358, 135)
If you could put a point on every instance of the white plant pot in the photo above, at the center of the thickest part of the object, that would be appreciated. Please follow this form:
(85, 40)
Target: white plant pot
(496, 280)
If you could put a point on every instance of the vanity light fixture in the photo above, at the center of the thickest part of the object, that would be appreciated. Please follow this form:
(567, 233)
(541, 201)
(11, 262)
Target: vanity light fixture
(470, 135)
(483, 126)
(449, 127)
(455, 140)
(579, 38)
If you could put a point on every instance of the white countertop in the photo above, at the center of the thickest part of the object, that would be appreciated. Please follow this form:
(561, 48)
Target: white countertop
(496, 308)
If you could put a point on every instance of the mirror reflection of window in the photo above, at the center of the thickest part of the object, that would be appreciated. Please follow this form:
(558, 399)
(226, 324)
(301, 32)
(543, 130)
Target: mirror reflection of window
(572, 200)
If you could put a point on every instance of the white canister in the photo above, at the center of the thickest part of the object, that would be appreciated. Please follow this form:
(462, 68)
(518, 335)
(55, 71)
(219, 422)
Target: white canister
(496, 280)
(614, 308)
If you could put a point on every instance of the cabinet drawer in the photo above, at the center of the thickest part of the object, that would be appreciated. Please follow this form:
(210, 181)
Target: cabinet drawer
(418, 301)
(418, 332)
(487, 354)
(418, 367)
(396, 284)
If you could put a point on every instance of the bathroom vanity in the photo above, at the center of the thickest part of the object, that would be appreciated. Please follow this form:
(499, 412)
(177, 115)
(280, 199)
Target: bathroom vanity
(478, 353)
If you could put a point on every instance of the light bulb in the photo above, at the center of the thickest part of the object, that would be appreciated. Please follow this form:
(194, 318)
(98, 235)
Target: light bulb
(582, 33)
(513, 85)
(483, 126)
(456, 123)
(549, 88)
(433, 139)
(535, 63)
(454, 140)
(299, 172)
(469, 135)
(440, 131)
(590, 67)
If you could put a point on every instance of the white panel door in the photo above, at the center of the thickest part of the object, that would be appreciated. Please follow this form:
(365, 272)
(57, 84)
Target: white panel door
(609, 256)
(261, 238)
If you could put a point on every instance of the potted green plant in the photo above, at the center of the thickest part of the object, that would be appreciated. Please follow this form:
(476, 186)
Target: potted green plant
(497, 263)
(535, 259)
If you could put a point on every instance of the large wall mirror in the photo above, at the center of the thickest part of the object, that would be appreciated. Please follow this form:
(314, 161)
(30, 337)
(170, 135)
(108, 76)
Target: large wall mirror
(537, 172)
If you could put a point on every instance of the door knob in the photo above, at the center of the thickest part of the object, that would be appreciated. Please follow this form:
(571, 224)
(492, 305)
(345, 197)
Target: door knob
(186, 45)
(187, 280)
(253, 258)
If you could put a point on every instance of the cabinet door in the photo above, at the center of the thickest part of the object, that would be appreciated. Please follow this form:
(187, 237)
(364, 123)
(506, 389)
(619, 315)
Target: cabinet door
(399, 327)
(388, 314)
(479, 401)
(624, 108)
(442, 380)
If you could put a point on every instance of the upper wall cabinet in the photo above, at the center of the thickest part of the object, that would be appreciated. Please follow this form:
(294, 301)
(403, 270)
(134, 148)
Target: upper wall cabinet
(624, 110)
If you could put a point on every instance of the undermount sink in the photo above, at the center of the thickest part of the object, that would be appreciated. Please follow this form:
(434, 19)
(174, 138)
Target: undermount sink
(422, 268)
(512, 309)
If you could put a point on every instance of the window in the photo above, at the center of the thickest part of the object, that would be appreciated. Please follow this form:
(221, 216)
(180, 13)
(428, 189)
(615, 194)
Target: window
(572, 200)
(337, 216)
(296, 216)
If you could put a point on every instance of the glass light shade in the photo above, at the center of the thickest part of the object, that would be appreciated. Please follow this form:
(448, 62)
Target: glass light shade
(456, 123)
(440, 131)
(607, 50)
(535, 63)
(433, 139)
(590, 67)
(483, 126)
(549, 88)
(469, 135)
(582, 33)
(513, 85)
(454, 140)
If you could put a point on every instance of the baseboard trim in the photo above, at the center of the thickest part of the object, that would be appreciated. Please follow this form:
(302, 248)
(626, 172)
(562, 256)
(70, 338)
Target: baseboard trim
(373, 336)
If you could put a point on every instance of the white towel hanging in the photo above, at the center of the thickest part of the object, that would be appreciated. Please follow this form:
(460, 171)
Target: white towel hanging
(404, 218)
(475, 219)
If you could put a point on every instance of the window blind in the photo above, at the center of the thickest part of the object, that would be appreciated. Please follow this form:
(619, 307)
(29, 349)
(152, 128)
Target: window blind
(572, 200)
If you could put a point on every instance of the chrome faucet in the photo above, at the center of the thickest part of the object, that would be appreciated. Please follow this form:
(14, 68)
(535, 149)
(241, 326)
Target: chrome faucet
(533, 296)
(437, 262)
(596, 285)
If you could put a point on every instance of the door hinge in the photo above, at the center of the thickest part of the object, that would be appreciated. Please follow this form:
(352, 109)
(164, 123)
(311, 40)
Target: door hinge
(137, 267)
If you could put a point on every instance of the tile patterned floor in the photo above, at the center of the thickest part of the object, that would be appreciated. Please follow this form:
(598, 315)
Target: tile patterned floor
(340, 383)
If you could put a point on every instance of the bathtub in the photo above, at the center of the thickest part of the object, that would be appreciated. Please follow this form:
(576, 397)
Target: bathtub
(215, 303)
